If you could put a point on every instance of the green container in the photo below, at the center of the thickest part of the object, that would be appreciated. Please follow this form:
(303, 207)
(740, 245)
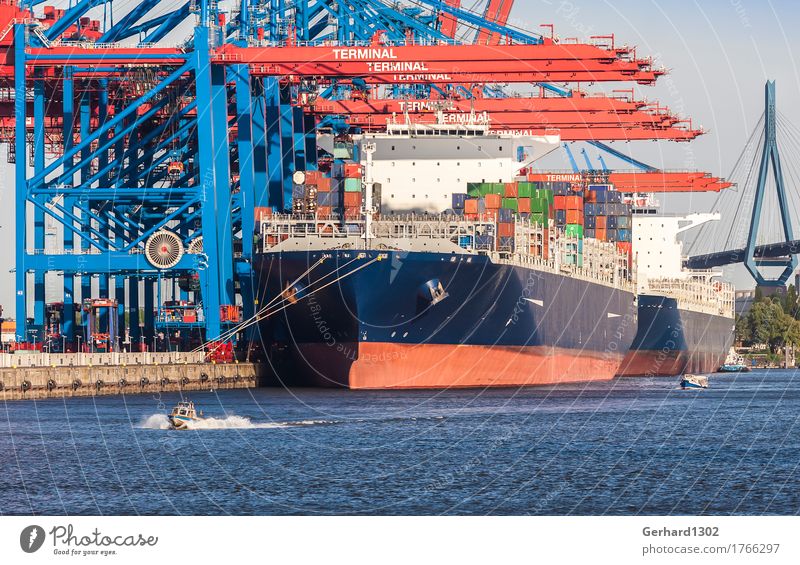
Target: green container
(352, 185)
(510, 203)
(539, 205)
(574, 230)
(474, 188)
(544, 194)
(525, 189)
(540, 219)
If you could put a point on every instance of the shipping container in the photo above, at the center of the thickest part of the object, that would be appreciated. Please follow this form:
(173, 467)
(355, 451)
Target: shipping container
(510, 203)
(324, 212)
(560, 202)
(505, 229)
(352, 200)
(589, 209)
(352, 170)
(524, 205)
(352, 185)
(574, 230)
(332, 199)
(505, 244)
(505, 215)
(298, 191)
(493, 201)
(611, 222)
(458, 200)
(600, 234)
(590, 222)
(574, 217)
(561, 217)
(601, 222)
(510, 190)
(484, 242)
(589, 233)
(312, 177)
(465, 241)
(573, 202)
(525, 189)
(323, 184)
(471, 206)
(624, 235)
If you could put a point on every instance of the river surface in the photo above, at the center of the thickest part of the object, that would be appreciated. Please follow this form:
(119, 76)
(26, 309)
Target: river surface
(617, 448)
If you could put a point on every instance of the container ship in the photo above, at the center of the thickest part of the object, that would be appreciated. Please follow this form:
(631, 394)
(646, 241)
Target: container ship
(418, 266)
(686, 317)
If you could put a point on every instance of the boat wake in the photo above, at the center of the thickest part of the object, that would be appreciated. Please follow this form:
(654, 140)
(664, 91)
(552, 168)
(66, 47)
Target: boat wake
(161, 422)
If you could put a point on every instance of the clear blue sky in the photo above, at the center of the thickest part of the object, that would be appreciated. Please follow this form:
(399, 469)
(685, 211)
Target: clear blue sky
(719, 52)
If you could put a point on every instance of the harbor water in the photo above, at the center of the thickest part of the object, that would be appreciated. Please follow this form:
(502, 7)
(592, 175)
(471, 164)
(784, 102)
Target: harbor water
(628, 446)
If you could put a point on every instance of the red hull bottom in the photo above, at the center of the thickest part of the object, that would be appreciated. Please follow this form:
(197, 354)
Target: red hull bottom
(400, 366)
(668, 364)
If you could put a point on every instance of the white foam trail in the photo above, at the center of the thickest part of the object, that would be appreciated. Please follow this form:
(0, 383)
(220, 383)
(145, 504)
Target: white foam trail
(161, 422)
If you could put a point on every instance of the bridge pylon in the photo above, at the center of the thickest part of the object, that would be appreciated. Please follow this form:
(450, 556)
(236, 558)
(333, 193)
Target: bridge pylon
(770, 155)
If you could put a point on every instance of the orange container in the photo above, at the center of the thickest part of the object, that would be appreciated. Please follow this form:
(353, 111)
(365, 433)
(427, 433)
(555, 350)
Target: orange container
(352, 213)
(601, 223)
(262, 212)
(324, 212)
(312, 177)
(590, 196)
(493, 201)
(575, 217)
(471, 206)
(511, 190)
(470, 215)
(573, 203)
(324, 184)
(601, 234)
(560, 202)
(352, 170)
(490, 214)
(505, 230)
(524, 205)
(352, 200)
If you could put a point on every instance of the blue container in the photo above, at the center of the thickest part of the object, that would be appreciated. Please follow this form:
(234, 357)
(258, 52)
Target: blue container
(332, 199)
(484, 242)
(458, 200)
(611, 222)
(611, 235)
(624, 222)
(561, 217)
(590, 222)
(557, 191)
(624, 235)
(589, 209)
(298, 191)
(614, 196)
(505, 215)
(589, 232)
(601, 196)
(465, 241)
(598, 187)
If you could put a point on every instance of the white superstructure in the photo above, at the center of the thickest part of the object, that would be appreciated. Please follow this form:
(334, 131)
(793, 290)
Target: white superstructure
(420, 166)
(659, 261)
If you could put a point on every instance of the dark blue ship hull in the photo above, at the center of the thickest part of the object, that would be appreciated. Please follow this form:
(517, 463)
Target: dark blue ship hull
(671, 341)
(434, 320)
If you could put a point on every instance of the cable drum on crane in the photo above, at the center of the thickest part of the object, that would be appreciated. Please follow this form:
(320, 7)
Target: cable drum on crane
(163, 249)
(195, 246)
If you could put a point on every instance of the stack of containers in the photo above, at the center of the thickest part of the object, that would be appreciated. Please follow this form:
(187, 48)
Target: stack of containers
(328, 197)
(607, 217)
(352, 193)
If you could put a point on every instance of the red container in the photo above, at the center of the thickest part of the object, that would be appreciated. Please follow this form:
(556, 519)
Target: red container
(312, 177)
(601, 223)
(560, 202)
(471, 206)
(262, 212)
(352, 170)
(490, 214)
(573, 203)
(352, 200)
(352, 213)
(493, 201)
(470, 215)
(590, 196)
(575, 217)
(324, 184)
(511, 190)
(524, 205)
(505, 230)
(324, 212)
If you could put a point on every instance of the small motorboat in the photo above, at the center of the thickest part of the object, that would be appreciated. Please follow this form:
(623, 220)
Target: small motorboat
(183, 414)
(694, 381)
(734, 363)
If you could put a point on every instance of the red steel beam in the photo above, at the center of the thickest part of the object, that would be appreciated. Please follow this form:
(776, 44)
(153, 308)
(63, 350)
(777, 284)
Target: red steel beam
(497, 12)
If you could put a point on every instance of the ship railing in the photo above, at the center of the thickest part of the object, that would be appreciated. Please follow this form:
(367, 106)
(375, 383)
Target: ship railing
(711, 296)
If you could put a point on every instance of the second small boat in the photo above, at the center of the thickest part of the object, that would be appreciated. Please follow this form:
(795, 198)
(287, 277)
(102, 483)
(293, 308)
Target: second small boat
(694, 381)
(183, 415)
